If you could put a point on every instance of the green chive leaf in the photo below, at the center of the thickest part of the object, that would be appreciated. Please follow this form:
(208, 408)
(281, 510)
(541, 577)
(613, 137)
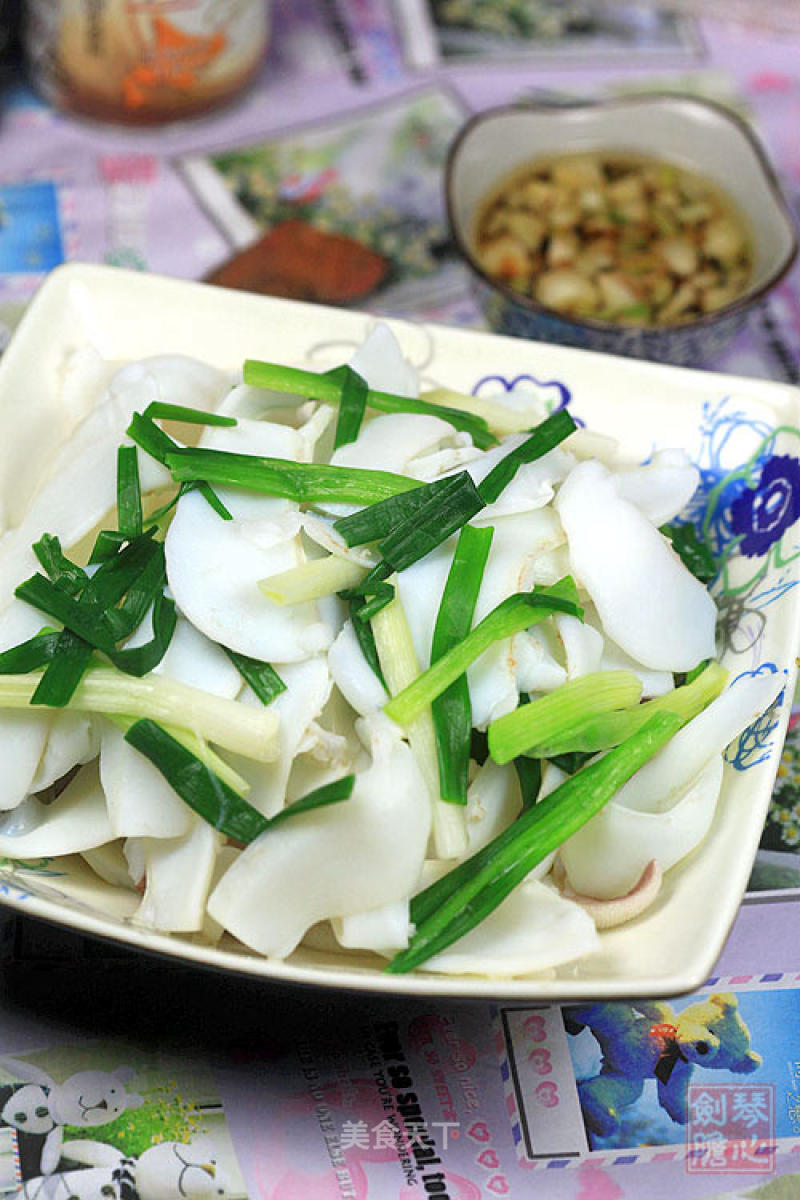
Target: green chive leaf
(434, 522)
(510, 616)
(328, 793)
(199, 787)
(452, 709)
(302, 482)
(28, 656)
(455, 904)
(160, 410)
(310, 385)
(60, 569)
(352, 404)
(694, 553)
(555, 716)
(129, 495)
(64, 672)
(545, 437)
(261, 677)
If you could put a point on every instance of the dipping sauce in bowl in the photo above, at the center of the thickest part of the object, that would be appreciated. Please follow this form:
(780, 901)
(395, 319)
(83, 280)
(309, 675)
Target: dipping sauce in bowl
(617, 237)
(649, 226)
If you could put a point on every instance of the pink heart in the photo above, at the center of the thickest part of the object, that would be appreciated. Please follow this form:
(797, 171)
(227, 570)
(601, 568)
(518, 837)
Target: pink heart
(499, 1185)
(479, 1132)
(489, 1159)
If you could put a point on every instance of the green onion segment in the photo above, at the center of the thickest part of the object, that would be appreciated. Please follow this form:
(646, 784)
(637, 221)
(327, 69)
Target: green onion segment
(352, 404)
(302, 482)
(209, 796)
(510, 616)
(554, 716)
(595, 732)
(310, 385)
(545, 437)
(238, 727)
(452, 710)
(455, 904)
(260, 676)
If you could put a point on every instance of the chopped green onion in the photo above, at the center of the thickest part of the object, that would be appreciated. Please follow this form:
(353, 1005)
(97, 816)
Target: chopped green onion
(261, 677)
(529, 775)
(351, 405)
(108, 543)
(302, 482)
(433, 523)
(60, 569)
(380, 519)
(602, 730)
(160, 410)
(500, 419)
(151, 437)
(159, 445)
(321, 797)
(136, 580)
(455, 904)
(373, 592)
(204, 792)
(545, 437)
(196, 746)
(238, 727)
(568, 763)
(139, 660)
(129, 494)
(693, 553)
(64, 671)
(400, 667)
(211, 498)
(313, 579)
(452, 710)
(510, 616)
(27, 656)
(82, 619)
(552, 718)
(366, 641)
(210, 796)
(110, 606)
(310, 385)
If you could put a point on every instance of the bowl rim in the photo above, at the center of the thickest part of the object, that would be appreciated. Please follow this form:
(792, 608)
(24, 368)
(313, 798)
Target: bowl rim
(659, 99)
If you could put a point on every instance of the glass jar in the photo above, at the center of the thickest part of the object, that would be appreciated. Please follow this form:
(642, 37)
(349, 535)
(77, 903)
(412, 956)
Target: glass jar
(144, 62)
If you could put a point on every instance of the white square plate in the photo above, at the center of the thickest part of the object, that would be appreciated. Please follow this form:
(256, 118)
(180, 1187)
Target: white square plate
(723, 422)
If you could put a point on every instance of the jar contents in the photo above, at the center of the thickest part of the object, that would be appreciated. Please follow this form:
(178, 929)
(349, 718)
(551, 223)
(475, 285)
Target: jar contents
(144, 62)
(616, 237)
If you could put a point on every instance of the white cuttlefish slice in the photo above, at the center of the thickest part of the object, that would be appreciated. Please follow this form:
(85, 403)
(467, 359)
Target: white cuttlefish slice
(533, 930)
(178, 876)
(661, 488)
(85, 465)
(214, 566)
(353, 675)
(308, 686)
(666, 808)
(393, 441)
(347, 858)
(140, 801)
(76, 820)
(647, 600)
(23, 733)
(380, 360)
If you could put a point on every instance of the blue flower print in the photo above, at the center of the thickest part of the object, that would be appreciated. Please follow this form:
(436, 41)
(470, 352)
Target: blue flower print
(761, 515)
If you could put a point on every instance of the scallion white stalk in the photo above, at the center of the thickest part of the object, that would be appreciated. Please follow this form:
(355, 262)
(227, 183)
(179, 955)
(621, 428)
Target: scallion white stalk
(400, 667)
(237, 727)
(313, 579)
